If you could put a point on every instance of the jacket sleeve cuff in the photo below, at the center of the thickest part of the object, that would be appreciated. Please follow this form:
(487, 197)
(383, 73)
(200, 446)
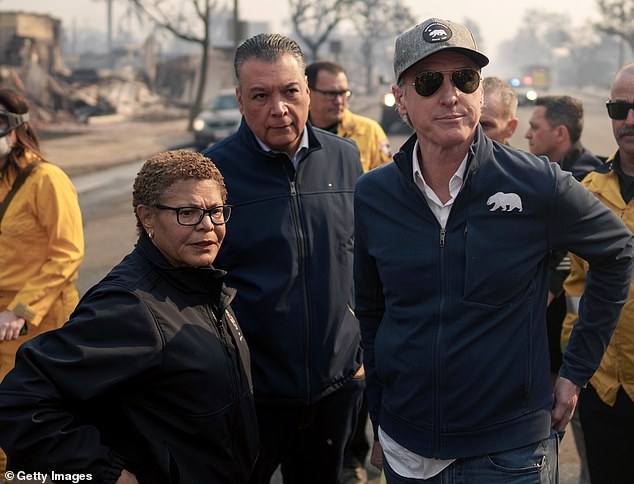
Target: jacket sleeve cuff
(113, 471)
(24, 311)
(573, 376)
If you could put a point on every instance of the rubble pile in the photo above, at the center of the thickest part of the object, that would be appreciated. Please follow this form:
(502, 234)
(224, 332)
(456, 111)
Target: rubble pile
(84, 97)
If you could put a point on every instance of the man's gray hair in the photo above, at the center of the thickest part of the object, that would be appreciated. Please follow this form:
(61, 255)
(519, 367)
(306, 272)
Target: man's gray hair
(269, 48)
(508, 95)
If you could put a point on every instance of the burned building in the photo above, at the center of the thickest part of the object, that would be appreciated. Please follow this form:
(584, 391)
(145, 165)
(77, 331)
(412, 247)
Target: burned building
(31, 39)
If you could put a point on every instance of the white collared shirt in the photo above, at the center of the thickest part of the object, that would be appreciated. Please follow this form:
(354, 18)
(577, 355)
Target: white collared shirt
(402, 460)
(440, 210)
(303, 145)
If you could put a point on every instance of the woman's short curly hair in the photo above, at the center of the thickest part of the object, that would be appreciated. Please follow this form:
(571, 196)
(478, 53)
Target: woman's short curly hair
(164, 169)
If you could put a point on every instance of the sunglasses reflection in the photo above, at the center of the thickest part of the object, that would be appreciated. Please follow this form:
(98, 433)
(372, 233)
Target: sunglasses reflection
(466, 80)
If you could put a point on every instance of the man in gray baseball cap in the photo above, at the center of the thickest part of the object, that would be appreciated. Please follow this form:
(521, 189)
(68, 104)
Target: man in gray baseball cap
(452, 242)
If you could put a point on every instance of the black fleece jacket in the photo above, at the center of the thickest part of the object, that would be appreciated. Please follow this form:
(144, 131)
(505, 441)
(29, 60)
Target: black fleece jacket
(151, 374)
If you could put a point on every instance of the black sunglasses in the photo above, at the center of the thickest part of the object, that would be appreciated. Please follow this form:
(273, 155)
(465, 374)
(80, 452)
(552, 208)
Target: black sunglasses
(427, 83)
(618, 109)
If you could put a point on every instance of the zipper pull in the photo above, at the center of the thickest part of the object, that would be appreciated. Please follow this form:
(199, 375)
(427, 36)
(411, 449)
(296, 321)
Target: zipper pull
(293, 188)
(442, 237)
(218, 323)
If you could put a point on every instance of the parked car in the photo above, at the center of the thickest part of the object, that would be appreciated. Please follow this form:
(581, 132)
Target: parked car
(526, 95)
(217, 121)
(526, 92)
(391, 121)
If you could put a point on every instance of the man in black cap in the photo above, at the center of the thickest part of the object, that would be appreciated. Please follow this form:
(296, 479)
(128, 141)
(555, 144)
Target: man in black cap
(452, 243)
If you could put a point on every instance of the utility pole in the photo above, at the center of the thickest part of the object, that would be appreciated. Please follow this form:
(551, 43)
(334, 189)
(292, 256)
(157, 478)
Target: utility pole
(109, 20)
(110, 56)
(236, 25)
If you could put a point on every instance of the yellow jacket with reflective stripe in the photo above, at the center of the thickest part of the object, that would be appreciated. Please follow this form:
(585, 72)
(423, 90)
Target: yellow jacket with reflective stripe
(617, 366)
(41, 245)
(371, 140)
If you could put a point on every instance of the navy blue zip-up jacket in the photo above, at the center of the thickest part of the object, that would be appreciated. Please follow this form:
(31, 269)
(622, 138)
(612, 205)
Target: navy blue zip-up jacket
(289, 253)
(453, 321)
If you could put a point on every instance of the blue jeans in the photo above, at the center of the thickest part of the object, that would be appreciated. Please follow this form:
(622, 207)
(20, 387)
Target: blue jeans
(533, 464)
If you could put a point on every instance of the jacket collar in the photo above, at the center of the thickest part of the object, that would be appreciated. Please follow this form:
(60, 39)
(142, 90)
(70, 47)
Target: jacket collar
(202, 280)
(573, 154)
(246, 136)
(348, 126)
(608, 185)
(480, 149)
(609, 164)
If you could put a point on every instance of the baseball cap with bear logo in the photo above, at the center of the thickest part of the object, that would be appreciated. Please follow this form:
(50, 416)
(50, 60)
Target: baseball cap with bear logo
(431, 36)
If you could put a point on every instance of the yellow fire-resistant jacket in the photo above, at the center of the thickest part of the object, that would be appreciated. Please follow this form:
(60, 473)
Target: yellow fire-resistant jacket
(617, 366)
(371, 140)
(41, 247)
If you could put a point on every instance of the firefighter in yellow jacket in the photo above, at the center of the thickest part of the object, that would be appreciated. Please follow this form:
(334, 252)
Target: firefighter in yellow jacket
(329, 93)
(41, 237)
(606, 406)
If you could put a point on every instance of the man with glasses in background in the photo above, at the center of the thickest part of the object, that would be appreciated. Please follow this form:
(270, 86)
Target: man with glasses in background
(606, 405)
(329, 94)
(452, 243)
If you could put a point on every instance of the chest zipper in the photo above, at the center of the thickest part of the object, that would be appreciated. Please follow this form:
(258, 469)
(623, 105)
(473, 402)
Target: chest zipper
(302, 273)
(437, 362)
(233, 366)
(219, 327)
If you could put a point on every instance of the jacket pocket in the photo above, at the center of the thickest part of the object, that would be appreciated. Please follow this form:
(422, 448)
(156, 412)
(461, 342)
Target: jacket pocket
(498, 270)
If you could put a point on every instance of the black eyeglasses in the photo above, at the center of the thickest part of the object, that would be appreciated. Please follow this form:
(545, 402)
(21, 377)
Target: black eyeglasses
(332, 95)
(618, 109)
(427, 83)
(194, 215)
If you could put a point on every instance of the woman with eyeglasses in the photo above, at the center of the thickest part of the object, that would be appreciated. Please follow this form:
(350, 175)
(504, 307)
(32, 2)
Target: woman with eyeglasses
(149, 381)
(41, 236)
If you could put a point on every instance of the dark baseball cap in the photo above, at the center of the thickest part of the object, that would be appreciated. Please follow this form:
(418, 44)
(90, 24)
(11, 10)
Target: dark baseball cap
(431, 36)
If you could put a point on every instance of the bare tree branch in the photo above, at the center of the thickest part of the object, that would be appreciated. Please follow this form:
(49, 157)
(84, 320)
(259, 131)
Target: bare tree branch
(315, 20)
(617, 19)
(164, 14)
(369, 21)
(176, 17)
